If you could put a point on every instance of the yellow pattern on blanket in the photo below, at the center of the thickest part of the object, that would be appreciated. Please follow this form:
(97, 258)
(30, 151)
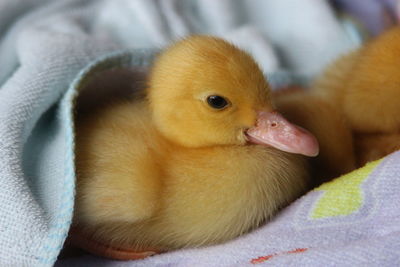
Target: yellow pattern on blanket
(343, 195)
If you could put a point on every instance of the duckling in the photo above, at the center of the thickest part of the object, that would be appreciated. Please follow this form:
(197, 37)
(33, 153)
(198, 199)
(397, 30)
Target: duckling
(201, 159)
(336, 151)
(364, 86)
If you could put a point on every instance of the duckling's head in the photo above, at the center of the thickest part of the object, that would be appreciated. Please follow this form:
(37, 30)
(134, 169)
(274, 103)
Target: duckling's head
(203, 91)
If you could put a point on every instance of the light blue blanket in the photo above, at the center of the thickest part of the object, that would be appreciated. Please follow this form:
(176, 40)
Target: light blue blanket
(49, 49)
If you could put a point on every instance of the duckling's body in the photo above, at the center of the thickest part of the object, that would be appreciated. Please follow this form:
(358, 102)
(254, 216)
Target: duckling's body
(364, 86)
(188, 165)
(336, 156)
(142, 190)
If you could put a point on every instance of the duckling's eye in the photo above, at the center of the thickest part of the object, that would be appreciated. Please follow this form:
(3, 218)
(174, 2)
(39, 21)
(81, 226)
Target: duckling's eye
(217, 102)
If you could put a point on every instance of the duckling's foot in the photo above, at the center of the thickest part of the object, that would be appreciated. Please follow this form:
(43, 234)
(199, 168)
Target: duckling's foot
(81, 240)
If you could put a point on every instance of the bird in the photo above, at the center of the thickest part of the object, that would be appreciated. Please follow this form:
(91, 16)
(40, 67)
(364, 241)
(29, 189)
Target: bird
(200, 158)
(364, 86)
(336, 142)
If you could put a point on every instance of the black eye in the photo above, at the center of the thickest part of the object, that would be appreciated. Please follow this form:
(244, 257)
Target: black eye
(217, 102)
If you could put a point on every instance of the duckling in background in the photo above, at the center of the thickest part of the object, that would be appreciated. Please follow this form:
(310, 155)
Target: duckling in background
(201, 159)
(365, 87)
(336, 153)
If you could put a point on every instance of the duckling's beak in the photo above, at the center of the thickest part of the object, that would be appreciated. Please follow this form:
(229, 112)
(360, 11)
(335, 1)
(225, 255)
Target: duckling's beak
(273, 129)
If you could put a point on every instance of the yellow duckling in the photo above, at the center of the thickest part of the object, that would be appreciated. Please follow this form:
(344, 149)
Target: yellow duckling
(326, 122)
(202, 159)
(364, 86)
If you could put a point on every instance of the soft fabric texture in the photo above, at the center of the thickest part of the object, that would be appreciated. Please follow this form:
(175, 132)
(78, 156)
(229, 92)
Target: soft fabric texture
(375, 15)
(49, 48)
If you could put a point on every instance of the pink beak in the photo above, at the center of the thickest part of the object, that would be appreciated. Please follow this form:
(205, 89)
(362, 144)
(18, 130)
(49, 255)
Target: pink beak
(274, 130)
